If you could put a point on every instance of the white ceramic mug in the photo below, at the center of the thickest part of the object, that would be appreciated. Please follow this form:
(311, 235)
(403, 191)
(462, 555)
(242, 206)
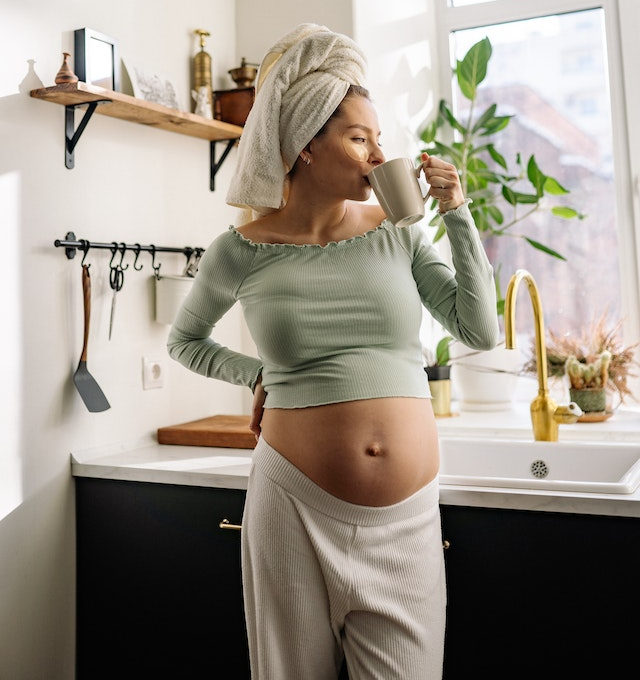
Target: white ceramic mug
(395, 184)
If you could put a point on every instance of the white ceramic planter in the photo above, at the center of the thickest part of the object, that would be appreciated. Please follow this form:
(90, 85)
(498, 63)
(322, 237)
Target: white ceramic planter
(485, 381)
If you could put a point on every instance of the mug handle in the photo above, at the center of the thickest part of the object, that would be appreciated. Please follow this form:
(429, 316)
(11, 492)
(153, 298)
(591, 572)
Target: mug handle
(418, 170)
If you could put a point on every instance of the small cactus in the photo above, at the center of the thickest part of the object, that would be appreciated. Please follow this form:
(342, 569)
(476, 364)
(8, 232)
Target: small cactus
(592, 374)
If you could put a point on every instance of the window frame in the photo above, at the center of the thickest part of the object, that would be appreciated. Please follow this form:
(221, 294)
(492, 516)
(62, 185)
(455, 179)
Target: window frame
(621, 50)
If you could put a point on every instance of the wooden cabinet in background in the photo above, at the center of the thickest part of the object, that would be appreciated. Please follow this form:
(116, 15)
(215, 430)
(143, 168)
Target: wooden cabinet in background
(233, 106)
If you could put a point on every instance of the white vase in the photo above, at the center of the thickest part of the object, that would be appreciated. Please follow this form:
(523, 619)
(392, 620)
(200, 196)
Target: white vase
(485, 381)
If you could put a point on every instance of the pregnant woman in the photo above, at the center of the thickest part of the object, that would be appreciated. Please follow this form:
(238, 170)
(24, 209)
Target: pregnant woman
(341, 542)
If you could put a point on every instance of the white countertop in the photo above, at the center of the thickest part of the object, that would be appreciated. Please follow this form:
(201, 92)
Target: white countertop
(148, 461)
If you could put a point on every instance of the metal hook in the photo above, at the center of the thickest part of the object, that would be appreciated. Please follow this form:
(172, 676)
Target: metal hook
(123, 248)
(155, 268)
(114, 249)
(137, 250)
(85, 249)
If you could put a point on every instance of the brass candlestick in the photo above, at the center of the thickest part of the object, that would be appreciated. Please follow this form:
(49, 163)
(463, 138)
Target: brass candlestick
(202, 66)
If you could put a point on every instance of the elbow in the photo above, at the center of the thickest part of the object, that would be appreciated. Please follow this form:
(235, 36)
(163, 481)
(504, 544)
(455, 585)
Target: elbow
(483, 339)
(174, 345)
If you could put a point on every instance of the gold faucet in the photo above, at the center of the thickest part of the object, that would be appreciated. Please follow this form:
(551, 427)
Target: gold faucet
(545, 413)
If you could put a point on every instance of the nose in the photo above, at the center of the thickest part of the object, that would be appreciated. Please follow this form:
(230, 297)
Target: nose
(376, 157)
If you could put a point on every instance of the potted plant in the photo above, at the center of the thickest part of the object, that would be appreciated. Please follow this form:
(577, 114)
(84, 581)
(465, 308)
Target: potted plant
(596, 364)
(503, 194)
(438, 370)
(589, 382)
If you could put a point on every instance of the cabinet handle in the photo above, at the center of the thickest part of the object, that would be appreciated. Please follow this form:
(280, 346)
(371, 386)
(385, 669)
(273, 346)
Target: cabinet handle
(446, 545)
(225, 524)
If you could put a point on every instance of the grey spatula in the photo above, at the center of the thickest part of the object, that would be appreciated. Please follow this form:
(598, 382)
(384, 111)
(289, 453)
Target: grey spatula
(89, 389)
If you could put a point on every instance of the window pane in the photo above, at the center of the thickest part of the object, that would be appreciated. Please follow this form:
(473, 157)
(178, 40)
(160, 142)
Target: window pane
(551, 74)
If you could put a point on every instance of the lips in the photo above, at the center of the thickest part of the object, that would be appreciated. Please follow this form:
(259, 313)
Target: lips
(366, 179)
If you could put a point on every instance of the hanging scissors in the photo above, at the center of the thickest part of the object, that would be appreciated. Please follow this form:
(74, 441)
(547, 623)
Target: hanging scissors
(116, 280)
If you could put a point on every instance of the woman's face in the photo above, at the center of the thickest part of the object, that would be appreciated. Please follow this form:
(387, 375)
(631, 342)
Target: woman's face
(347, 151)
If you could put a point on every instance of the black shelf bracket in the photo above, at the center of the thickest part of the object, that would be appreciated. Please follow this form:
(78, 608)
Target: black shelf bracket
(71, 136)
(215, 165)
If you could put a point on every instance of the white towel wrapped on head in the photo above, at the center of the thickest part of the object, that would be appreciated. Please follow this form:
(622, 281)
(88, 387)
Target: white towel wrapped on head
(301, 82)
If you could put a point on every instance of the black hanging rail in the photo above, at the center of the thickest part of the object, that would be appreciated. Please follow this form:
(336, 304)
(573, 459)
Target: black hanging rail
(71, 244)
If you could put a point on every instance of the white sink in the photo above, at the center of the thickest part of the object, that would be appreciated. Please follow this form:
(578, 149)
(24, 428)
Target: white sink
(595, 467)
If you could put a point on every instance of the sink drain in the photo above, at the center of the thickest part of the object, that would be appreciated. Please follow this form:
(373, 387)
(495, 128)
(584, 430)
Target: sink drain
(539, 469)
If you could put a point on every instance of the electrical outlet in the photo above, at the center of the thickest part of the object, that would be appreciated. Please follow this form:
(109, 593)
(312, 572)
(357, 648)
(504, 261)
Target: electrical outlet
(152, 373)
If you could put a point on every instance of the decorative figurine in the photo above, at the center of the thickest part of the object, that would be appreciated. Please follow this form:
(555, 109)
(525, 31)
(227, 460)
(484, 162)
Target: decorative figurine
(65, 74)
(203, 103)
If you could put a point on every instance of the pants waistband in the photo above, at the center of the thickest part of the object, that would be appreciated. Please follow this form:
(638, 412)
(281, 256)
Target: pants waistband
(276, 467)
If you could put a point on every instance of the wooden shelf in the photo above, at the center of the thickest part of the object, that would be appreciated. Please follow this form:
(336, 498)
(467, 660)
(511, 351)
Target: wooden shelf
(119, 105)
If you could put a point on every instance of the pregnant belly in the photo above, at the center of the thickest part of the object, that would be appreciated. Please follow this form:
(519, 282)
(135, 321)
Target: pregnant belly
(370, 452)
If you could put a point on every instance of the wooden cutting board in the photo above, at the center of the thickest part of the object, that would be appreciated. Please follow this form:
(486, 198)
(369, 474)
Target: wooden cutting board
(222, 430)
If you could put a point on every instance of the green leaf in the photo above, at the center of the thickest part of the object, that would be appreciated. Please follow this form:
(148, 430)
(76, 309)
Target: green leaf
(495, 125)
(486, 116)
(429, 133)
(535, 175)
(500, 307)
(472, 70)
(475, 182)
(564, 211)
(446, 113)
(442, 351)
(544, 249)
(481, 221)
(447, 151)
(525, 198)
(497, 157)
(441, 232)
(509, 195)
(467, 89)
(552, 186)
(496, 215)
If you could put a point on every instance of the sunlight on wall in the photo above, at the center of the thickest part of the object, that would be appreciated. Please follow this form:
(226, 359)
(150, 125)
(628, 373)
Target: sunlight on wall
(10, 350)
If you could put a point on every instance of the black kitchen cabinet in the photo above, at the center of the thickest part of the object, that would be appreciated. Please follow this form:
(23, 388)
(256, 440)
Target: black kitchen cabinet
(541, 595)
(159, 583)
(530, 594)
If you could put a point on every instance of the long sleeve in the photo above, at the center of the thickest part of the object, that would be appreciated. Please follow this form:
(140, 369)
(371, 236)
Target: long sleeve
(220, 274)
(462, 301)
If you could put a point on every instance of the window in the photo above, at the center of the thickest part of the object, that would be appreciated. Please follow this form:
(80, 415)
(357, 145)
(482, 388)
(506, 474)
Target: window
(550, 69)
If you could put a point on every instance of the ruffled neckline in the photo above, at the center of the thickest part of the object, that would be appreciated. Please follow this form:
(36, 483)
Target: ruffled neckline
(331, 244)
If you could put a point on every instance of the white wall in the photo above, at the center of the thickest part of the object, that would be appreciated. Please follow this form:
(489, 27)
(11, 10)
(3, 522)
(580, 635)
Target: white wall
(131, 183)
(260, 24)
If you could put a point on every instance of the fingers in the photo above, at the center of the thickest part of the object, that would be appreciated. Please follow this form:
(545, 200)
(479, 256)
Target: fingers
(257, 411)
(254, 423)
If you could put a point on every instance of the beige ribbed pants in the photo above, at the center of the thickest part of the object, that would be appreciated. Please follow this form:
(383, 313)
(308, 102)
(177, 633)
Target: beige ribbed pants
(324, 579)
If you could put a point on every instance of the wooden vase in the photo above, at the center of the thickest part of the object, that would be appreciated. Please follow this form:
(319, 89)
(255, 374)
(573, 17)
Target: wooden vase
(65, 74)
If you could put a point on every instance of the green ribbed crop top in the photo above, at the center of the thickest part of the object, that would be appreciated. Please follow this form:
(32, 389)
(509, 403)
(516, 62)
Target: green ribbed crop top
(337, 322)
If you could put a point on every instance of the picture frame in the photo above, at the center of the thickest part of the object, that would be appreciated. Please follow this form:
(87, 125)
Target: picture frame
(96, 59)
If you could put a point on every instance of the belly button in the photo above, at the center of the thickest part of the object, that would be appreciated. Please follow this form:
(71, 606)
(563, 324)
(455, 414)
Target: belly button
(374, 450)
